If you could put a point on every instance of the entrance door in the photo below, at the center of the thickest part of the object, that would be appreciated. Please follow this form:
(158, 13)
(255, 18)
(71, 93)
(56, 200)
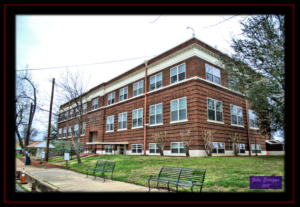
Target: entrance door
(121, 149)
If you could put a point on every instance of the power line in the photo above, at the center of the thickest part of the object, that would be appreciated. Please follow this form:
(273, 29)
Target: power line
(219, 22)
(98, 63)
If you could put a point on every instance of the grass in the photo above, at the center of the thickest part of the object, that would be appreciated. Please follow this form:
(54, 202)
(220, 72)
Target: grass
(19, 155)
(22, 187)
(224, 174)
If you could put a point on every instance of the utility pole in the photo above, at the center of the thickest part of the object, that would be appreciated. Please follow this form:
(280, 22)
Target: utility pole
(49, 124)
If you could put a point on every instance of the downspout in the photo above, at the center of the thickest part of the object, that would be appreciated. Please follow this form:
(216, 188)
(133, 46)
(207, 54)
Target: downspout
(247, 120)
(145, 105)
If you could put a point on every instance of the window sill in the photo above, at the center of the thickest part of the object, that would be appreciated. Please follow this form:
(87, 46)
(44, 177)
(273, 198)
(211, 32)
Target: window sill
(153, 125)
(175, 122)
(137, 127)
(242, 126)
(109, 131)
(122, 129)
(254, 128)
(217, 122)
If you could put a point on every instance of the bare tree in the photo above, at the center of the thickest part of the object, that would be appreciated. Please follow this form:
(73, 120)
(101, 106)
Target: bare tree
(207, 136)
(161, 140)
(72, 92)
(235, 139)
(26, 104)
(187, 140)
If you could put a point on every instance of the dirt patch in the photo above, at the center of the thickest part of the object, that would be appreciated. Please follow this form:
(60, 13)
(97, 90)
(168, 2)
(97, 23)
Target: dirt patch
(40, 164)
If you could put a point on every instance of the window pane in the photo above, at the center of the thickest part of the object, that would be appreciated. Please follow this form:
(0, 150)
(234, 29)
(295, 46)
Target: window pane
(152, 110)
(152, 79)
(152, 86)
(140, 122)
(159, 77)
(158, 108)
(174, 115)
(174, 105)
(240, 121)
(209, 77)
(182, 103)
(211, 115)
(119, 125)
(181, 68)
(158, 118)
(152, 119)
(218, 105)
(182, 114)
(173, 72)
(217, 80)
(134, 123)
(210, 104)
(219, 116)
(181, 76)
(158, 84)
(233, 119)
(173, 79)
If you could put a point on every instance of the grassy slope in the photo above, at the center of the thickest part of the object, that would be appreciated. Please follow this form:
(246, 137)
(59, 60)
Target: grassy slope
(224, 174)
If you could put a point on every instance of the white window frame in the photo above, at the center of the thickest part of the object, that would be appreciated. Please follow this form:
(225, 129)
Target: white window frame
(70, 131)
(83, 129)
(155, 81)
(122, 121)
(208, 69)
(65, 132)
(234, 112)
(156, 149)
(258, 148)
(122, 93)
(84, 108)
(138, 85)
(179, 144)
(136, 147)
(108, 149)
(111, 98)
(217, 143)
(155, 114)
(244, 148)
(76, 130)
(60, 132)
(178, 110)
(215, 110)
(95, 102)
(139, 111)
(177, 74)
(110, 121)
(252, 115)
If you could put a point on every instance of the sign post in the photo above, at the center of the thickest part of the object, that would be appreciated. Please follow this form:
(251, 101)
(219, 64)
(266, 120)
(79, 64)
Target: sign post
(67, 158)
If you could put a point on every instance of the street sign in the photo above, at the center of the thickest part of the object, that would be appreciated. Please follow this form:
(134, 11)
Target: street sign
(67, 156)
(43, 155)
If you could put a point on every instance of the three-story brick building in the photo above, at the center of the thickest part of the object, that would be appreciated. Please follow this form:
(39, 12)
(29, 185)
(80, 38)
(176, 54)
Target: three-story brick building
(182, 88)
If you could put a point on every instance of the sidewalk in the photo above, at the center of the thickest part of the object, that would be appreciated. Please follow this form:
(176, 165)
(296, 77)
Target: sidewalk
(70, 181)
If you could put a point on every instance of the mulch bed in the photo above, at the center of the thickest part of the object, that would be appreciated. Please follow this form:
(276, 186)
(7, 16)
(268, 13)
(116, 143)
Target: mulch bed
(37, 163)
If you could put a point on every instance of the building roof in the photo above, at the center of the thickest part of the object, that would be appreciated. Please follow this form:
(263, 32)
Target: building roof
(155, 59)
(273, 141)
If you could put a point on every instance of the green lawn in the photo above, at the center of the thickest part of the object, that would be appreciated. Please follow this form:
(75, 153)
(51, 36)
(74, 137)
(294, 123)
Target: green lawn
(224, 174)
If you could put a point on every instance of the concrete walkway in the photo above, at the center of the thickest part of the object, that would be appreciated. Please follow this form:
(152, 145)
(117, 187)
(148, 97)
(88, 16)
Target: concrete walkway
(69, 181)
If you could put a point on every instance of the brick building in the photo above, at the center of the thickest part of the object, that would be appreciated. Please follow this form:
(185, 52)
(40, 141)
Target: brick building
(186, 88)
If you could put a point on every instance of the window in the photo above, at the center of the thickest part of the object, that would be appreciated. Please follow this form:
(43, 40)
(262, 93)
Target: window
(66, 115)
(218, 147)
(236, 115)
(233, 84)
(83, 128)
(177, 73)
(84, 107)
(258, 148)
(108, 148)
(122, 120)
(76, 130)
(137, 118)
(95, 103)
(215, 111)
(178, 109)
(155, 81)
(77, 111)
(212, 74)
(242, 148)
(153, 149)
(156, 114)
(253, 120)
(111, 98)
(60, 132)
(136, 148)
(138, 88)
(71, 113)
(123, 94)
(65, 132)
(110, 123)
(70, 131)
(177, 147)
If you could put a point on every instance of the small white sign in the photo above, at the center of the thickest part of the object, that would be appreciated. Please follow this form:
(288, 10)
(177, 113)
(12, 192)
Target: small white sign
(43, 154)
(67, 156)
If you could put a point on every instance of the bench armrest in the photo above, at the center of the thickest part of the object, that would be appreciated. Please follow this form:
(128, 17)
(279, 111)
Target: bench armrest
(150, 177)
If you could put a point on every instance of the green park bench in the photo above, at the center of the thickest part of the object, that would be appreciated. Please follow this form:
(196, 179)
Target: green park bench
(102, 167)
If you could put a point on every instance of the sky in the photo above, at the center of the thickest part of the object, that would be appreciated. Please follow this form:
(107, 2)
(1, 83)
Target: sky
(101, 47)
